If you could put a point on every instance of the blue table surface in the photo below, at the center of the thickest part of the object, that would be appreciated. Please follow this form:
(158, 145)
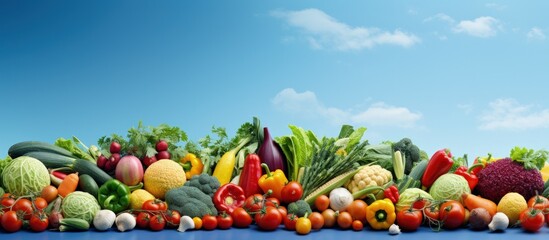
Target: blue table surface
(254, 233)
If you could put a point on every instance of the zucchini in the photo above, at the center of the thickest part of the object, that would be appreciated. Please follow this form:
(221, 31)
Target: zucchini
(86, 167)
(418, 170)
(73, 224)
(87, 184)
(52, 160)
(330, 185)
(22, 148)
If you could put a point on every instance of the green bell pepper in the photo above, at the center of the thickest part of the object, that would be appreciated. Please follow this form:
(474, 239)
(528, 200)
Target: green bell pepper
(114, 195)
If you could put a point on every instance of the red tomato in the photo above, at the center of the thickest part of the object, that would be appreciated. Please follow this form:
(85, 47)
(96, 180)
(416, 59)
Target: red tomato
(358, 225)
(409, 219)
(268, 220)
(10, 221)
(209, 222)
(173, 218)
(143, 219)
(253, 203)
(40, 203)
(224, 221)
(322, 203)
(420, 203)
(431, 213)
(273, 202)
(291, 192)
(241, 218)
(39, 222)
(290, 221)
(154, 204)
(532, 219)
(344, 220)
(25, 206)
(538, 202)
(7, 201)
(283, 212)
(452, 213)
(157, 222)
(317, 220)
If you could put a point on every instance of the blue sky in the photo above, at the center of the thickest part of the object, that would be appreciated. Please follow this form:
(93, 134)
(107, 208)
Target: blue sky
(468, 76)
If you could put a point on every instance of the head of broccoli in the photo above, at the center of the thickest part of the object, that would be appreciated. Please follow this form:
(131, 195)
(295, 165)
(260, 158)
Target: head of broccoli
(206, 183)
(190, 201)
(411, 152)
(299, 208)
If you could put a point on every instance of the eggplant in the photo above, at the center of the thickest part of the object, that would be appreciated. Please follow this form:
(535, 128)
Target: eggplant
(271, 154)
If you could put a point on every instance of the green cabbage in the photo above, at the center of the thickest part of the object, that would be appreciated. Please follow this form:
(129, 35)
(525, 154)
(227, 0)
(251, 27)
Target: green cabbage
(80, 205)
(25, 175)
(409, 196)
(449, 187)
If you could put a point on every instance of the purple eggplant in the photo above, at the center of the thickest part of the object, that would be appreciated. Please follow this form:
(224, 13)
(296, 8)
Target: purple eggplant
(271, 154)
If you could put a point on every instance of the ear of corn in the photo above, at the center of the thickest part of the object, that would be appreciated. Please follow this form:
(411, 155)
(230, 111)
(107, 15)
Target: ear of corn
(330, 185)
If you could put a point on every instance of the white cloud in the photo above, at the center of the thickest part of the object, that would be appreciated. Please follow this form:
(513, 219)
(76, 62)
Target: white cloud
(441, 17)
(323, 31)
(508, 114)
(495, 6)
(535, 34)
(482, 27)
(380, 114)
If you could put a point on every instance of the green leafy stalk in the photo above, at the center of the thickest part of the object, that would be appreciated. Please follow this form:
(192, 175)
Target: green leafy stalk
(529, 157)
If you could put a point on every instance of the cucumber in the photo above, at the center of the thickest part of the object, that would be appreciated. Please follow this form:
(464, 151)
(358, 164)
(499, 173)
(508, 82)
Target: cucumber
(52, 160)
(22, 148)
(418, 170)
(87, 184)
(86, 167)
(73, 224)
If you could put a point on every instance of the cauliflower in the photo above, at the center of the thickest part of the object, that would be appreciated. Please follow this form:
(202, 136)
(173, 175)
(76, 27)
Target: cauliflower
(373, 175)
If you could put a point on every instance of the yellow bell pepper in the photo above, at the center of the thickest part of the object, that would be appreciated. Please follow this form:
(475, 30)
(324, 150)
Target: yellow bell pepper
(192, 165)
(381, 214)
(274, 181)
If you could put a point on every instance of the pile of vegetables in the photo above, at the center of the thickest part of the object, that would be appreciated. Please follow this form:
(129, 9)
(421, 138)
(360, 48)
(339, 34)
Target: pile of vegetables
(156, 178)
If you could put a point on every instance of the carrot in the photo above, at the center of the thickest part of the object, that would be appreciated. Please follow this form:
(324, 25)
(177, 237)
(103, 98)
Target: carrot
(68, 185)
(471, 202)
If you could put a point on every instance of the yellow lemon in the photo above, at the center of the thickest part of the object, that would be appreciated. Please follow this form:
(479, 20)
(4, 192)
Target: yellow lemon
(138, 197)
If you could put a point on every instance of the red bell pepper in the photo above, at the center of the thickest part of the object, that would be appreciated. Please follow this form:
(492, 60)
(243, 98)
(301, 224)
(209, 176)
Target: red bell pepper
(471, 178)
(440, 163)
(229, 197)
(251, 173)
(391, 193)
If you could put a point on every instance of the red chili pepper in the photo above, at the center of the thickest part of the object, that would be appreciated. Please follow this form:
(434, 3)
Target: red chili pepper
(440, 163)
(391, 193)
(251, 173)
(229, 197)
(471, 178)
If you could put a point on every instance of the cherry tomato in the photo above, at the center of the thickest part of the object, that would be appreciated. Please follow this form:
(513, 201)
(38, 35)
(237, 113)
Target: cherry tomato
(10, 221)
(253, 203)
(273, 202)
(241, 218)
(40, 203)
(420, 203)
(209, 222)
(291, 192)
(143, 219)
(49, 193)
(173, 218)
(268, 220)
(344, 220)
(197, 223)
(303, 226)
(290, 221)
(329, 218)
(224, 221)
(24, 206)
(322, 203)
(7, 201)
(452, 213)
(283, 211)
(409, 219)
(357, 209)
(157, 222)
(538, 202)
(317, 220)
(358, 225)
(39, 222)
(532, 219)
(431, 213)
(154, 204)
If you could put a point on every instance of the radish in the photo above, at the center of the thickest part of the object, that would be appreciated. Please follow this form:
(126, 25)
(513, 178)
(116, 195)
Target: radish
(147, 161)
(101, 160)
(115, 147)
(161, 146)
(163, 155)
